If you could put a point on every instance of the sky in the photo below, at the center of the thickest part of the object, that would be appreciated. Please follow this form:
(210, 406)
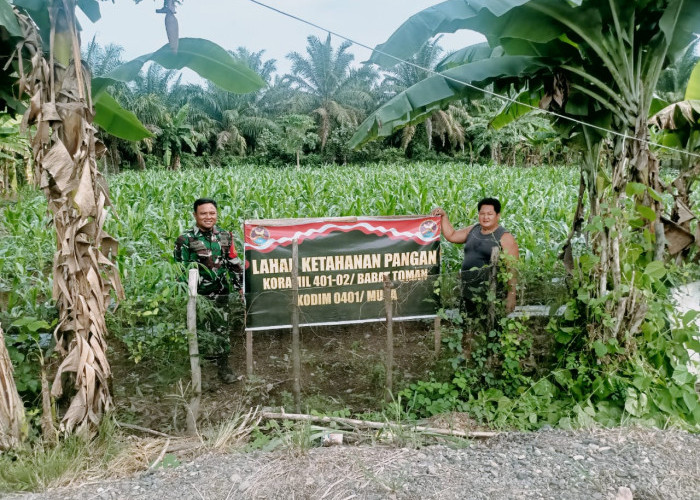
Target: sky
(235, 23)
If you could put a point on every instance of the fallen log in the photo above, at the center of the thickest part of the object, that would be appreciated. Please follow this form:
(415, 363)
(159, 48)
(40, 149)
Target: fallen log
(142, 429)
(351, 422)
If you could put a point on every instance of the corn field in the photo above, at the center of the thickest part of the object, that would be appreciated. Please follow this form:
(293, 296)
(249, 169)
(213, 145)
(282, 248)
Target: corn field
(154, 207)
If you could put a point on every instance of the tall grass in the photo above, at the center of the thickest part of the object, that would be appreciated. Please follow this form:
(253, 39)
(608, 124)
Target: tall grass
(40, 467)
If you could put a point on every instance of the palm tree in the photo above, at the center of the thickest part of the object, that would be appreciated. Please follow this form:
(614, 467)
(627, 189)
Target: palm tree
(443, 124)
(296, 133)
(172, 134)
(102, 59)
(231, 121)
(156, 97)
(329, 87)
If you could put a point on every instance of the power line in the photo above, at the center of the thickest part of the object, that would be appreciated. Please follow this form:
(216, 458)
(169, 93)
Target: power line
(474, 87)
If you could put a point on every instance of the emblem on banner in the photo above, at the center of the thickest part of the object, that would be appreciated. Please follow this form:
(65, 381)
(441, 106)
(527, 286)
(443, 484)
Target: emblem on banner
(428, 229)
(259, 235)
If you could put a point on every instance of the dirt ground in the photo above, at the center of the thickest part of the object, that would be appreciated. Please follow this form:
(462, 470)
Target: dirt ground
(343, 367)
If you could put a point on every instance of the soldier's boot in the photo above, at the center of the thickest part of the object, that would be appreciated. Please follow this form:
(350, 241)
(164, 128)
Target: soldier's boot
(224, 371)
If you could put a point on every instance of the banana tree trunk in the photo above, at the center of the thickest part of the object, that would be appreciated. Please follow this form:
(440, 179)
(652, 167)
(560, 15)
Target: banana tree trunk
(175, 163)
(12, 425)
(632, 162)
(83, 274)
(429, 132)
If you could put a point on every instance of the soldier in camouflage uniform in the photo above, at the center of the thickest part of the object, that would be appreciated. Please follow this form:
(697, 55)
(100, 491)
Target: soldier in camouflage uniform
(214, 252)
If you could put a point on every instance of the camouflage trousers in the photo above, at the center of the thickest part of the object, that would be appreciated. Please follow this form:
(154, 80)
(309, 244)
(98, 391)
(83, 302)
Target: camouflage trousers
(218, 318)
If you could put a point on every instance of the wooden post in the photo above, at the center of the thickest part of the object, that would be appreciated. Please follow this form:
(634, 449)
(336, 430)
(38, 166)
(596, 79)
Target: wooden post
(193, 408)
(296, 350)
(493, 278)
(249, 353)
(248, 341)
(389, 307)
(437, 332)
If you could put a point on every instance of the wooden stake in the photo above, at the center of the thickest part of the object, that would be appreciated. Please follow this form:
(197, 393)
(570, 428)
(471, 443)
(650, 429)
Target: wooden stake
(296, 350)
(193, 408)
(249, 353)
(492, 286)
(437, 331)
(389, 309)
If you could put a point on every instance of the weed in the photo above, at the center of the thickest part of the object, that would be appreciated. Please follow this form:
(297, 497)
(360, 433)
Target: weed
(38, 467)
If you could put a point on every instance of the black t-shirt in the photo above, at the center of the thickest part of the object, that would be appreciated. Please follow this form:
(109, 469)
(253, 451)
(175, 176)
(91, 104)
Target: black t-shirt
(477, 253)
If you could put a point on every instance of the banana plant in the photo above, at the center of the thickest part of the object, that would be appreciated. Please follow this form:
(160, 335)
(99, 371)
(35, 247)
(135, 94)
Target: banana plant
(679, 127)
(174, 133)
(15, 151)
(587, 57)
(597, 61)
(45, 65)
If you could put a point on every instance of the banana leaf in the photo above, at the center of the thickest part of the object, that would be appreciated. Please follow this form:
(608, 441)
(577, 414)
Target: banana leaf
(418, 101)
(8, 20)
(468, 54)
(116, 120)
(692, 90)
(446, 17)
(206, 58)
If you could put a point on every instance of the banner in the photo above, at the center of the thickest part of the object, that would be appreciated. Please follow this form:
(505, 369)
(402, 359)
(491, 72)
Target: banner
(341, 263)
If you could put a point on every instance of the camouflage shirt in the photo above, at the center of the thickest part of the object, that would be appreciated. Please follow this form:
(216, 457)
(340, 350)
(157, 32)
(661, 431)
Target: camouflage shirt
(215, 253)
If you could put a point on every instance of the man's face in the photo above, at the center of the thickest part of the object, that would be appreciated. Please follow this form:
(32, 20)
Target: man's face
(205, 216)
(488, 218)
